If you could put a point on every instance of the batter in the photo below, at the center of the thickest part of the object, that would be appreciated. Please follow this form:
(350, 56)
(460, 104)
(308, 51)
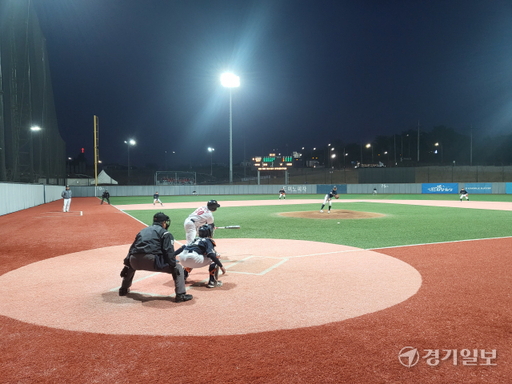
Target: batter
(201, 216)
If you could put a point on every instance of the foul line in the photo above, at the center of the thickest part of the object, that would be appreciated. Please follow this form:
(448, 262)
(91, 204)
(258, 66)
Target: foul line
(441, 242)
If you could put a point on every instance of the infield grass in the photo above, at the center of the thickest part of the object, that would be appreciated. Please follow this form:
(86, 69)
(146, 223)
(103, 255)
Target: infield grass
(401, 224)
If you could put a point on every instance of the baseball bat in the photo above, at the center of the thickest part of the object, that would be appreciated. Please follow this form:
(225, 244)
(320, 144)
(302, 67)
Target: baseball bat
(229, 227)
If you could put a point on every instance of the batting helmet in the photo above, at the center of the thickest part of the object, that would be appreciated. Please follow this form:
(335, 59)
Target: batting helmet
(161, 217)
(205, 231)
(212, 205)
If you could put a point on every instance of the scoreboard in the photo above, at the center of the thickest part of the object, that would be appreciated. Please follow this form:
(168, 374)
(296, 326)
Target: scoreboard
(273, 162)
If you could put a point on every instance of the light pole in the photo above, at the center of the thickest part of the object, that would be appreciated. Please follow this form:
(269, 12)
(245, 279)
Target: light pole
(230, 80)
(33, 129)
(210, 149)
(440, 150)
(129, 143)
(370, 146)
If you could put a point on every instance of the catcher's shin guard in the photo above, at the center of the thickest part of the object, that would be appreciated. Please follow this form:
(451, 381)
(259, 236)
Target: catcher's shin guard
(187, 272)
(214, 276)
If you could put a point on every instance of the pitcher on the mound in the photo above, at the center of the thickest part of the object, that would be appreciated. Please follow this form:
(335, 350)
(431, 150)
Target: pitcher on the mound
(328, 198)
(200, 253)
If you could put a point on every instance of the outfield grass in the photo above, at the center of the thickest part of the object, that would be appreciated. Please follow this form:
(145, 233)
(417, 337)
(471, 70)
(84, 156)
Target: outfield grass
(126, 200)
(401, 225)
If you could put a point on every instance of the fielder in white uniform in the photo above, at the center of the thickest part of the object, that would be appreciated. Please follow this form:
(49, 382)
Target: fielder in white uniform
(282, 193)
(464, 193)
(200, 253)
(156, 199)
(328, 198)
(201, 216)
(66, 195)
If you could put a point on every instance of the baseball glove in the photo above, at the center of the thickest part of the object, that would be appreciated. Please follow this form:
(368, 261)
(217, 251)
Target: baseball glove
(337, 196)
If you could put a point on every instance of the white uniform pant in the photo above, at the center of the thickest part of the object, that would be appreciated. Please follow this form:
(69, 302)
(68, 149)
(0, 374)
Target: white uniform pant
(327, 200)
(193, 259)
(190, 230)
(67, 203)
(464, 195)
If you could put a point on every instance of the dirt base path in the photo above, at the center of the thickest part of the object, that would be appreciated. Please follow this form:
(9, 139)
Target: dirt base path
(463, 304)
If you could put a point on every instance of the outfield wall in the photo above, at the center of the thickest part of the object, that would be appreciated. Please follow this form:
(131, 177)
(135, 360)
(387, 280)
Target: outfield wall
(16, 197)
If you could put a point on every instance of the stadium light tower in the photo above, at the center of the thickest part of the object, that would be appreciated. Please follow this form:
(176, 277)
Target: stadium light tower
(370, 146)
(210, 149)
(34, 128)
(129, 143)
(230, 81)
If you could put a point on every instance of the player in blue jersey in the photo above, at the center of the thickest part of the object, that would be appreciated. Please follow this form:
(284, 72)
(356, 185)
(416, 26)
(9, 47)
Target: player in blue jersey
(328, 198)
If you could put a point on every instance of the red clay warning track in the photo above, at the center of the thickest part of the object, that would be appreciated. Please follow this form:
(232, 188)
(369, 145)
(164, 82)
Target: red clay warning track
(59, 275)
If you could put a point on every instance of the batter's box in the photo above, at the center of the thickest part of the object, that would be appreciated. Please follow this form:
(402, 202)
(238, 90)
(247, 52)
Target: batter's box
(256, 265)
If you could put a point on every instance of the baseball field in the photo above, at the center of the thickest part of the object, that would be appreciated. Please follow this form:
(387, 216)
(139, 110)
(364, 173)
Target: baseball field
(384, 289)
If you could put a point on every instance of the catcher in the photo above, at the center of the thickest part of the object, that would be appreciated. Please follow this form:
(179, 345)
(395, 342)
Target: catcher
(200, 253)
(328, 198)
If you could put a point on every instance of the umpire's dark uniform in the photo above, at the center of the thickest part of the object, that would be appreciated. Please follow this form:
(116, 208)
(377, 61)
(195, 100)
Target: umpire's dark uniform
(153, 250)
(105, 196)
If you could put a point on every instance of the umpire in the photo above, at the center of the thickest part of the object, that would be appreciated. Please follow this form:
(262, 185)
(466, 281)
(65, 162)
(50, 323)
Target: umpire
(153, 250)
(105, 196)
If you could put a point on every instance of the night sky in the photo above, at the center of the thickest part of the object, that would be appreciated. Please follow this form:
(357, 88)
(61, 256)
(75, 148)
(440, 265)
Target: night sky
(311, 72)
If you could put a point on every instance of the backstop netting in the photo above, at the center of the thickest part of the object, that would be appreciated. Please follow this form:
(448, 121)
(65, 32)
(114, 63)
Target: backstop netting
(175, 178)
(26, 100)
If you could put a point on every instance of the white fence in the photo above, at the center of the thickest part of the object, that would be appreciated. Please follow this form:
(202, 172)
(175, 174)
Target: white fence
(16, 197)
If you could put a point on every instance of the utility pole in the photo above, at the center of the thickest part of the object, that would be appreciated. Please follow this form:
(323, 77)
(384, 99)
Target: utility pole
(96, 148)
(471, 146)
(394, 146)
(418, 140)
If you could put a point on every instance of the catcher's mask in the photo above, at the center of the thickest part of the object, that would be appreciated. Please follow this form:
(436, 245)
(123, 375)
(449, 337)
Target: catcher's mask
(161, 217)
(213, 205)
(205, 231)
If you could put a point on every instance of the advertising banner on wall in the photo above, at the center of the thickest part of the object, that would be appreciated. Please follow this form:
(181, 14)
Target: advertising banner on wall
(325, 189)
(439, 188)
(478, 188)
(508, 188)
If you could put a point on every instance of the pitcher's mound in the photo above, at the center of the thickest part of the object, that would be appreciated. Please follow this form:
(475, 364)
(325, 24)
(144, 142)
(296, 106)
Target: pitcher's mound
(338, 214)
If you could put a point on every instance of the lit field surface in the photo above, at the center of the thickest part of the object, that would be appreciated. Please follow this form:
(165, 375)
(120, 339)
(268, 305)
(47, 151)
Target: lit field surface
(399, 223)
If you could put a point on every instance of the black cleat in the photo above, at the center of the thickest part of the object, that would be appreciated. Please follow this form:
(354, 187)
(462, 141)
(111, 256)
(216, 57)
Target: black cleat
(123, 291)
(180, 297)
